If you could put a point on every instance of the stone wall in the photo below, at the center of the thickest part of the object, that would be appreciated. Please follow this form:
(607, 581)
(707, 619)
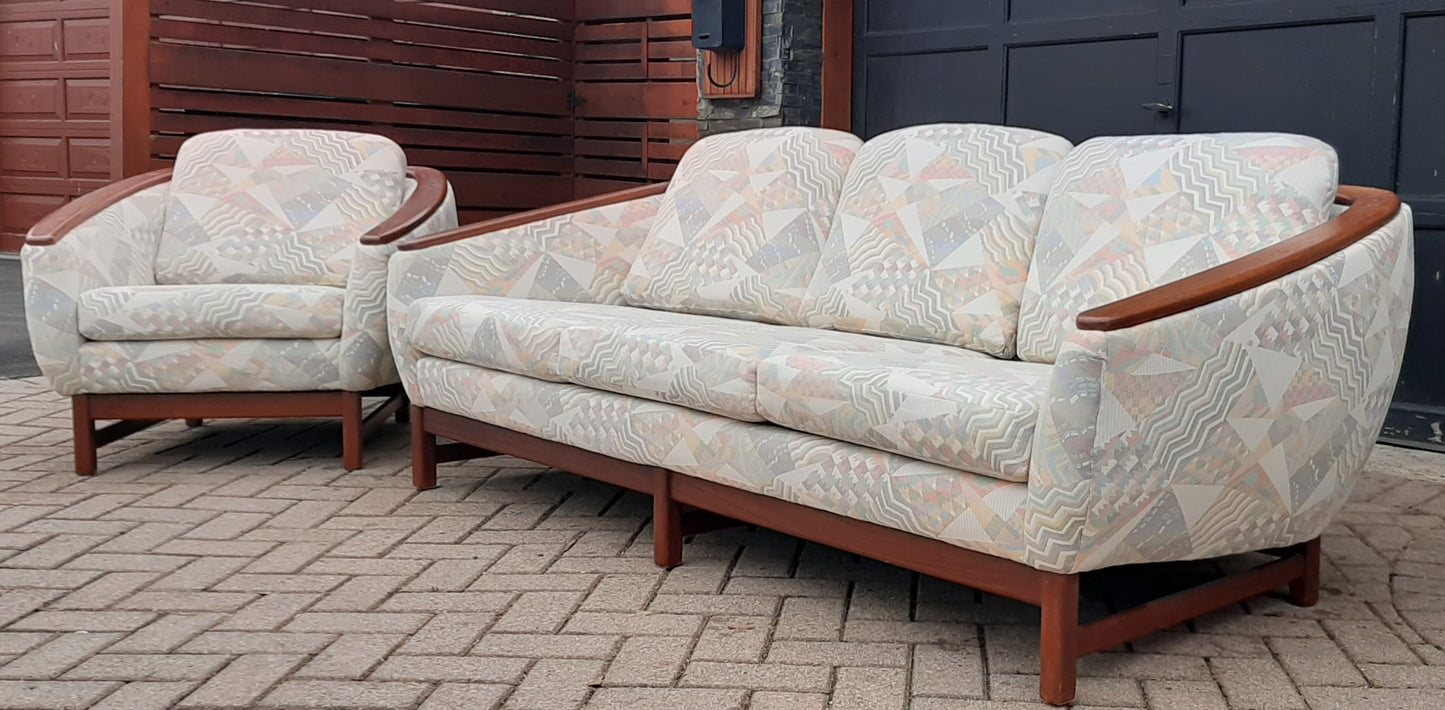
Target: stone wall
(791, 91)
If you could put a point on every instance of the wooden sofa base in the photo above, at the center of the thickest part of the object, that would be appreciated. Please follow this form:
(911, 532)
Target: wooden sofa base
(137, 412)
(1063, 639)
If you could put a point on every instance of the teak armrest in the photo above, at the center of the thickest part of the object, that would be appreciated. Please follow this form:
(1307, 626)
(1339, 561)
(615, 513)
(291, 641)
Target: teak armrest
(54, 226)
(521, 218)
(1369, 210)
(425, 200)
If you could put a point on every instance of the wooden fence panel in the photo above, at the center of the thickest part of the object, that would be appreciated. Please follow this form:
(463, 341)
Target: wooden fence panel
(636, 84)
(480, 89)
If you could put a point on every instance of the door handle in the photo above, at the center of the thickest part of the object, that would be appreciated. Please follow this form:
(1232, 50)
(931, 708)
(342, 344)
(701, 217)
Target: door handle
(1158, 107)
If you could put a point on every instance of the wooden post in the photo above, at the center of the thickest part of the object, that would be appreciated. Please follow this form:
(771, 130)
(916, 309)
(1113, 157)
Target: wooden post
(1305, 591)
(83, 434)
(423, 452)
(1059, 644)
(666, 523)
(838, 64)
(353, 435)
(130, 90)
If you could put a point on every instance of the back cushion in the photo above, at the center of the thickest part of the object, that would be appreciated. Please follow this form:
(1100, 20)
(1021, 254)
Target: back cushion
(275, 206)
(742, 224)
(1131, 213)
(934, 233)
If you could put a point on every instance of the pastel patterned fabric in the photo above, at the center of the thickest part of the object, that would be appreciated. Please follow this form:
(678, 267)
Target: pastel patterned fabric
(581, 257)
(973, 512)
(702, 362)
(933, 235)
(114, 248)
(210, 365)
(1128, 214)
(109, 263)
(210, 311)
(1241, 425)
(975, 415)
(366, 359)
(275, 206)
(742, 225)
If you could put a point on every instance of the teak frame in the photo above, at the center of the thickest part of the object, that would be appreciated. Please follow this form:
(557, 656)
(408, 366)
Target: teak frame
(139, 411)
(1063, 640)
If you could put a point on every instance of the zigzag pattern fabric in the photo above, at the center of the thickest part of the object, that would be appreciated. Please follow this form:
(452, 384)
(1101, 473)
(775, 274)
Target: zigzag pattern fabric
(974, 512)
(975, 415)
(933, 235)
(114, 248)
(366, 360)
(1241, 425)
(210, 365)
(210, 311)
(581, 257)
(1127, 214)
(706, 363)
(743, 223)
(275, 206)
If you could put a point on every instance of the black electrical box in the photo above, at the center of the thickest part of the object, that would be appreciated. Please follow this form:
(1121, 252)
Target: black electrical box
(719, 24)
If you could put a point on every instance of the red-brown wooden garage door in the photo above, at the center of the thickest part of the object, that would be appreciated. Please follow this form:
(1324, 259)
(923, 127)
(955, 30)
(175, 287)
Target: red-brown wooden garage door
(54, 108)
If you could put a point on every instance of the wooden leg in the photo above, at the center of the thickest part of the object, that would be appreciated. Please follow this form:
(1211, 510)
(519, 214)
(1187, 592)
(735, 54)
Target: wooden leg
(666, 524)
(352, 436)
(193, 423)
(423, 453)
(1305, 591)
(1059, 643)
(84, 435)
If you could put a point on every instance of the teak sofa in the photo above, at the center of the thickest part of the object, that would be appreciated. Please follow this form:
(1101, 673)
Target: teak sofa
(244, 282)
(972, 351)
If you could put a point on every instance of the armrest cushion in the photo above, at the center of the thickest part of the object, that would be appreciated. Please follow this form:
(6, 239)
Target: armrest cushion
(113, 245)
(1238, 425)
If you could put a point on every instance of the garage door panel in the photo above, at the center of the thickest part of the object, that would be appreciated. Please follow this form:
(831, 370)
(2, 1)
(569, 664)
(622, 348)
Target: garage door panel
(1311, 79)
(1035, 10)
(87, 97)
(89, 158)
(30, 98)
(1422, 110)
(905, 90)
(32, 156)
(1085, 89)
(915, 15)
(86, 38)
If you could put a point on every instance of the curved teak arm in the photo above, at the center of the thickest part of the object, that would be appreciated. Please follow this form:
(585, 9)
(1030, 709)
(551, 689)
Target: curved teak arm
(1369, 210)
(425, 200)
(54, 226)
(537, 215)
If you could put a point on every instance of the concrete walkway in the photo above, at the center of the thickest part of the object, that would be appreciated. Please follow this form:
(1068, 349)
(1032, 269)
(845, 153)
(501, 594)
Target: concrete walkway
(237, 565)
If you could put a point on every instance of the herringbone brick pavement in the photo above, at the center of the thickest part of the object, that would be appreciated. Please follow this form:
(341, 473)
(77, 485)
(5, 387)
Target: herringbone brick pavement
(237, 565)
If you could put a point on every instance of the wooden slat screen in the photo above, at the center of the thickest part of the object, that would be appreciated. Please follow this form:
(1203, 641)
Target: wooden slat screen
(476, 88)
(636, 79)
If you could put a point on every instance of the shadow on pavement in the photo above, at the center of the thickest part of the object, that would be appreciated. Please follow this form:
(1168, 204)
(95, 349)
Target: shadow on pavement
(16, 360)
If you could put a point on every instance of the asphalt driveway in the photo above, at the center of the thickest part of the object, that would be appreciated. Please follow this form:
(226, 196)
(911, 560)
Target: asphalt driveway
(16, 359)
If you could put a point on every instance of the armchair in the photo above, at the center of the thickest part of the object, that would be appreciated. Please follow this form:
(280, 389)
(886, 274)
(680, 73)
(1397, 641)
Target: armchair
(247, 281)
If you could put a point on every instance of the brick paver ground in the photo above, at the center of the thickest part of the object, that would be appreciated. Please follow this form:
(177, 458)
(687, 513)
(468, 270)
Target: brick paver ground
(238, 565)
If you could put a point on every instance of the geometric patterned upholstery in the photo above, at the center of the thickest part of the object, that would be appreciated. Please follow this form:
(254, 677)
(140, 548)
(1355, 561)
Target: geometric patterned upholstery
(211, 311)
(1240, 425)
(975, 415)
(703, 362)
(210, 365)
(973, 512)
(742, 224)
(1127, 214)
(275, 206)
(933, 235)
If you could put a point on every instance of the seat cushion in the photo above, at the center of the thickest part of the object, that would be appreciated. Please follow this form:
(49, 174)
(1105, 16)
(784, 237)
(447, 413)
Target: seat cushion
(974, 512)
(742, 224)
(275, 206)
(934, 233)
(1128, 214)
(701, 362)
(975, 415)
(210, 311)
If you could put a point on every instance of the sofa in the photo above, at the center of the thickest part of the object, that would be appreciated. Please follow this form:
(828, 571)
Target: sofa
(977, 352)
(245, 281)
